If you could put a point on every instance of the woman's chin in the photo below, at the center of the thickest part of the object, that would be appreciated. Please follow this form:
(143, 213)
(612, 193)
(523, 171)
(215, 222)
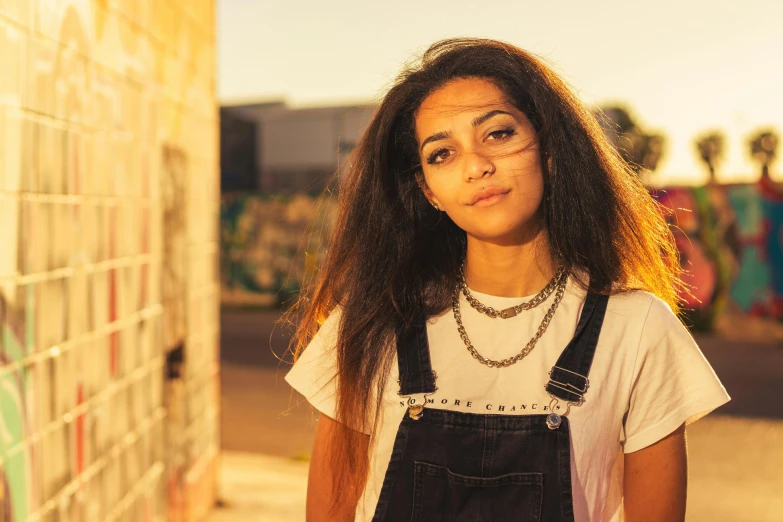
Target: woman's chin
(506, 233)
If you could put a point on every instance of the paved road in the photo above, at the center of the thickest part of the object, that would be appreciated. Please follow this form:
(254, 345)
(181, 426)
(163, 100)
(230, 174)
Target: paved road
(253, 337)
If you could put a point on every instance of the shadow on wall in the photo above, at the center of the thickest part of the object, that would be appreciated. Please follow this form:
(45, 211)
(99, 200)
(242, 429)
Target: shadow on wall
(730, 239)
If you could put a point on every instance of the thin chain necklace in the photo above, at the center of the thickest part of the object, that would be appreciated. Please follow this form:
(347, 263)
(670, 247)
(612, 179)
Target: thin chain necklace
(561, 284)
(514, 310)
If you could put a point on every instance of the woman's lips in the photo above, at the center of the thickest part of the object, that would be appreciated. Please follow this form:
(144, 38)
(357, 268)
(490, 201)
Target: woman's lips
(488, 197)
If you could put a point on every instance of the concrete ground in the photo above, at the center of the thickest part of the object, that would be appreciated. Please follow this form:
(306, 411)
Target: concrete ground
(735, 453)
(257, 487)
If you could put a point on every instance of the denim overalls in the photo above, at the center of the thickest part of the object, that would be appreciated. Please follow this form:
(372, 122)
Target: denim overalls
(452, 466)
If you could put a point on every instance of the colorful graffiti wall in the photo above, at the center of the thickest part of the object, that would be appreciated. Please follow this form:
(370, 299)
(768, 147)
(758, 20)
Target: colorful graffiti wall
(270, 245)
(730, 239)
(109, 290)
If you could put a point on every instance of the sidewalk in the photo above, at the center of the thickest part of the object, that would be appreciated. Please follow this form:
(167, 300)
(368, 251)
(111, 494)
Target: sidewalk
(258, 488)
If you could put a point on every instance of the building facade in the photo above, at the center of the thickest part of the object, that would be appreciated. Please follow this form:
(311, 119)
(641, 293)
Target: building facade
(297, 150)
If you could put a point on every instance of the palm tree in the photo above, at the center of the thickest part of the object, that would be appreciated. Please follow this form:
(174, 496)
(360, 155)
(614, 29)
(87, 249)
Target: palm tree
(710, 146)
(763, 148)
(641, 149)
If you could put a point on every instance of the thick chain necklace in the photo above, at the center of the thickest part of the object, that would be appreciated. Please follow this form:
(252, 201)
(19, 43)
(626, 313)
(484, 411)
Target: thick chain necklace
(514, 310)
(560, 284)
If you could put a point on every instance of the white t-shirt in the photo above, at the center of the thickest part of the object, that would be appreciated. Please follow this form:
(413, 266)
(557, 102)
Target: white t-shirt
(648, 377)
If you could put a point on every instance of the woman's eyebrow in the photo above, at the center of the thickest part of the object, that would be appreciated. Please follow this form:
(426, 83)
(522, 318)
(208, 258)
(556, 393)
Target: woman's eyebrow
(481, 119)
(435, 137)
(476, 122)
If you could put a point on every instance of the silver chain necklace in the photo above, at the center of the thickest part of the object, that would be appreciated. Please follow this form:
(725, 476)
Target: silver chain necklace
(514, 310)
(560, 283)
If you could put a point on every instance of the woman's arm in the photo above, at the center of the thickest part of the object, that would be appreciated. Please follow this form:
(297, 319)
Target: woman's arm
(321, 493)
(656, 480)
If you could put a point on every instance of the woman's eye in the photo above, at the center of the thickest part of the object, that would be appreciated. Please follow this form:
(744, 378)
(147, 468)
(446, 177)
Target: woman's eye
(437, 156)
(502, 134)
(441, 155)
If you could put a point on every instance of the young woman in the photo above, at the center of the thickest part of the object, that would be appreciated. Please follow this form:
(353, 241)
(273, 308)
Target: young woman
(494, 335)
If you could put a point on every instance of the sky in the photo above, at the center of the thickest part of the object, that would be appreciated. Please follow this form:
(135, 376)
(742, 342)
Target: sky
(683, 67)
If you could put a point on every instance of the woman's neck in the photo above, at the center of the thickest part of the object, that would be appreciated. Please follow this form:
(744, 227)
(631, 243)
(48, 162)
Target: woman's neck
(509, 270)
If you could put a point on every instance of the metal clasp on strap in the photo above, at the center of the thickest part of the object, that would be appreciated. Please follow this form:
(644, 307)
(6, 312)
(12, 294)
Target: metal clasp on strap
(553, 420)
(416, 410)
(566, 385)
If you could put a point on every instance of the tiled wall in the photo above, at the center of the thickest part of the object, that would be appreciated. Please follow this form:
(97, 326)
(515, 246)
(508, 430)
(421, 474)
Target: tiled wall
(109, 201)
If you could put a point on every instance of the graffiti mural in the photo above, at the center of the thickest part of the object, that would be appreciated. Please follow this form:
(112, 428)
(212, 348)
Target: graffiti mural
(17, 477)
(270, 245)
(173, 171)
(108, 129)
(771, 238)
(729, 237)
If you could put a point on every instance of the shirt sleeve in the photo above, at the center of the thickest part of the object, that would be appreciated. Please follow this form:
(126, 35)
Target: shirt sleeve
(314, 374)
(672, 381)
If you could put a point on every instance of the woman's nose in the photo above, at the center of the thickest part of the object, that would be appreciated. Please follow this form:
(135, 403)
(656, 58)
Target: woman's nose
(479, 165)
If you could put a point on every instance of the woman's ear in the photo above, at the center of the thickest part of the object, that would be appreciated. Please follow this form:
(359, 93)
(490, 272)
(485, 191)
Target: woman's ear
(548, 160)
(426, 189)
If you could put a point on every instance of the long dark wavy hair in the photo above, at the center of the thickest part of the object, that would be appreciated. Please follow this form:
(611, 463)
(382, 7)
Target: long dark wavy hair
(393, 259)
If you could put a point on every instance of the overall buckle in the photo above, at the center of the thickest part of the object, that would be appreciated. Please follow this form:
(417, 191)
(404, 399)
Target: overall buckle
(416, 410)
(553, 420)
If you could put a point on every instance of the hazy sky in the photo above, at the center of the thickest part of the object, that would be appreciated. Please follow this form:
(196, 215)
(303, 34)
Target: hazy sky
(683, 66)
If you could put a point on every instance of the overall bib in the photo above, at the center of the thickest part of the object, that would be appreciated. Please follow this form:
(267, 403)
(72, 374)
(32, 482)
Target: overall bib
(458, 467)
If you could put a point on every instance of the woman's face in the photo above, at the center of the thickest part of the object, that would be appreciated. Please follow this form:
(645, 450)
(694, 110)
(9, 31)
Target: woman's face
(480, 160)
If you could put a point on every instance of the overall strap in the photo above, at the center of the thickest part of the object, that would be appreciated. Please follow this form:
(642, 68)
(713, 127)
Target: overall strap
(568, 377)
(413, 359)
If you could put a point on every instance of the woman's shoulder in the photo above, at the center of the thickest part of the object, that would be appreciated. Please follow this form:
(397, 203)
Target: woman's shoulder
(639, 309)
(621, 300)
(638, 299)
(633, 299)
(328, 326)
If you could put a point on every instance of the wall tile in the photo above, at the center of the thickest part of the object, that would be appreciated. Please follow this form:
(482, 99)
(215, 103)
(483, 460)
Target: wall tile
(10, 54)
(104, 100)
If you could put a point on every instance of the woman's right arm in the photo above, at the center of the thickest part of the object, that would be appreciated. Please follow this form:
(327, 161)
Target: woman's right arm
(321, 490)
